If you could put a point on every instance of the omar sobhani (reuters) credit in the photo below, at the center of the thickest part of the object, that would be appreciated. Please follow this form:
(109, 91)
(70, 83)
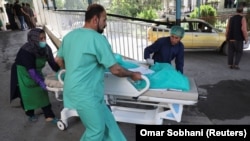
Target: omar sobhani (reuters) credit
(208, 132)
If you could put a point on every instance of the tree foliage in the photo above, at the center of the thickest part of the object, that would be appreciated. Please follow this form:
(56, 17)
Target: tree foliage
(73, 4)
(149, 14)
(59, 4)
(206, 12)
(136, 8)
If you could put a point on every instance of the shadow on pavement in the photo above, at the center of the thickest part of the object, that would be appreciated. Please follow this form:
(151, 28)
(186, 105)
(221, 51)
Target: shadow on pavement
(227, 100)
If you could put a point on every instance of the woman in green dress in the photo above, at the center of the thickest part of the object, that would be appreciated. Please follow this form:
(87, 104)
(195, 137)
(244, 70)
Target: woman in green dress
(27, 80)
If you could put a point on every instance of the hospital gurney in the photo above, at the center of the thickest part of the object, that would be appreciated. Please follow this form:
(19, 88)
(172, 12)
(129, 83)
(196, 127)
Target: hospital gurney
(125, 101)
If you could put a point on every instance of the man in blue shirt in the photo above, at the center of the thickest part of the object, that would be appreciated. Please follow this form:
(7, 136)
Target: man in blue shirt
(166, 49)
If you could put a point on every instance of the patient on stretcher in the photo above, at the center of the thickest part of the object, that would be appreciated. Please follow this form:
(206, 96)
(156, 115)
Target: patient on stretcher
(164, 76)
(161, 76)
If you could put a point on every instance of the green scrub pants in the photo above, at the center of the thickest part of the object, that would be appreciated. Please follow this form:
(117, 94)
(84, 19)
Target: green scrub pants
(99, 123)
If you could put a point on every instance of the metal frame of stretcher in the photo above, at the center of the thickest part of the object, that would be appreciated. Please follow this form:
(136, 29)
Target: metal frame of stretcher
(124, 100)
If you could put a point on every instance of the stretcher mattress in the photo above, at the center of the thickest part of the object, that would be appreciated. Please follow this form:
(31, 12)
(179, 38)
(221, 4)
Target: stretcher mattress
(192, 95)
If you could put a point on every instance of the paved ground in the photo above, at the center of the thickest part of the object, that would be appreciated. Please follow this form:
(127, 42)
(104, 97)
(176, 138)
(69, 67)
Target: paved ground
(227, 91)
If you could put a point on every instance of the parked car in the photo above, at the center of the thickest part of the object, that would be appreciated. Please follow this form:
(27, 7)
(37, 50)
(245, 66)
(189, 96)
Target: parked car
(208, 37)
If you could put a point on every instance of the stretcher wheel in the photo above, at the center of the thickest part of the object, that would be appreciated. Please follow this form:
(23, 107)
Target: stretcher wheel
(61, 125)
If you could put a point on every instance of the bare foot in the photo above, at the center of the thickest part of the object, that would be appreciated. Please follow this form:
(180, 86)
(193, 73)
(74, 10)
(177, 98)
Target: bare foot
(49, 119)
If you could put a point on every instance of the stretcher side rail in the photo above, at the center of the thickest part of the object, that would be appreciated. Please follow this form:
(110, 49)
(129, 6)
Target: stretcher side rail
(166, 95)
(162, 99)
(53, 85)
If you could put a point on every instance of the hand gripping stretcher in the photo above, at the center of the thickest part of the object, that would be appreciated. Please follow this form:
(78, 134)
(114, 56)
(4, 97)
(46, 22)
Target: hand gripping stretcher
(126, 101)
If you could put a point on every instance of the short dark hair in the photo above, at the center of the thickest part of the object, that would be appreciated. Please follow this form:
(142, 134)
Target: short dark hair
(239, 9)
(93, 10)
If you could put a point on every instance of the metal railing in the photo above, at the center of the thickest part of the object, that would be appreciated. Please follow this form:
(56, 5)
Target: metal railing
(127, 36)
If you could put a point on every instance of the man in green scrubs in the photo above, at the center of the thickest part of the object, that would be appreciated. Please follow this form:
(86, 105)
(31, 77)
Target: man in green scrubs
(86, 54)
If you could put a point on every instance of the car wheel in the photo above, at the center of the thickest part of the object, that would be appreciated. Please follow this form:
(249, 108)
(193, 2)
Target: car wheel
(225, 49)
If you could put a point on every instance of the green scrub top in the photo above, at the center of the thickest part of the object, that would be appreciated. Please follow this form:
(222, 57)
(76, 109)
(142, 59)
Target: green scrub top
(87, 54)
